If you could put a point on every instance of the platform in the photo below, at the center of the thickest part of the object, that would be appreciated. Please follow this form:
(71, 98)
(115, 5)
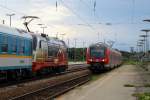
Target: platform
(110, 86)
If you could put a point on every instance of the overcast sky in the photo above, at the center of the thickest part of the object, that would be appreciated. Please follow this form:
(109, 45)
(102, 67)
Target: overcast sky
(116, 20)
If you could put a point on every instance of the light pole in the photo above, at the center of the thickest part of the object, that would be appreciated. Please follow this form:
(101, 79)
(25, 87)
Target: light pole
(40, 24)
(57, 35)
(43, 28)
(83, 50)
(139, 47)
(75, 43)
(68, 42)
(146, 37)
(132, 50)
(10, 15)
(63, 34)
(145, 43)
(146, 20)
(142, 43)
(98, 36)
(3, 21)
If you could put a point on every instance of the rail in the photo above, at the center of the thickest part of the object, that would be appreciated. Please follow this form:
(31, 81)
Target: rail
(50, 92)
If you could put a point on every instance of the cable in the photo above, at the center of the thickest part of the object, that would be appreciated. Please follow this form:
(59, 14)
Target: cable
(77, 15)
(11, 10)
(88, 6)
(133, 11)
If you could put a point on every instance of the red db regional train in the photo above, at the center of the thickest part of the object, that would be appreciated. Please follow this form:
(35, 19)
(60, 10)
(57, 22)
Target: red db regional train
(100, 56)
(22, 53)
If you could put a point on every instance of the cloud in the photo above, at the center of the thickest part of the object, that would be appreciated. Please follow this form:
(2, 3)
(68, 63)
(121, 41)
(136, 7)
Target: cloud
(64, 20)
(49, 13)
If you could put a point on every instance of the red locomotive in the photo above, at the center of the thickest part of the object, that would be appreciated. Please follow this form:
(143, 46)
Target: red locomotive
(100, 56)
(49, 53)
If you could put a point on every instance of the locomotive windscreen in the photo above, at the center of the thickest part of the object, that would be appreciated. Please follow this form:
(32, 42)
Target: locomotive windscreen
(97, 51)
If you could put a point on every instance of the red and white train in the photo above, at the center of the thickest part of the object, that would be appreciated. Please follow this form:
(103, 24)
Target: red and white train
(100, 56)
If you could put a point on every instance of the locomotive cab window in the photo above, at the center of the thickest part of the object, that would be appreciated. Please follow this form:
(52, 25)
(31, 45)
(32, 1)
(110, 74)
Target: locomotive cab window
(4, 43)
(53, 51)
(98, 52)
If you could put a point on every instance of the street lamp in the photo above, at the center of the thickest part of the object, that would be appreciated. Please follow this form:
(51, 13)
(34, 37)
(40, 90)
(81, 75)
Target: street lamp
(63, 34)
(140, 47)
(146, 37)
(42, 26)
(10, 15)
(75, 43)
(83, 50)
(144, 41)
(141, 44)
(146, 20)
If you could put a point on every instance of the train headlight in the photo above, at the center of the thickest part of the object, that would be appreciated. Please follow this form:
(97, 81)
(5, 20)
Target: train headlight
(91, 60)
(103, 60)
(55, 60)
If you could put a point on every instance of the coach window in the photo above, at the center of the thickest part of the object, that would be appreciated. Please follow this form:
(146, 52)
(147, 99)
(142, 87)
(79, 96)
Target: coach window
(30, 47)
(14, 45)
(22, 47)
(4, 43)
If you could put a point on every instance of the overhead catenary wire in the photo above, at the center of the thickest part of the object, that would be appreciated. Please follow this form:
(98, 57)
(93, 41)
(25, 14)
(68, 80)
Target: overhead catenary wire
(4, 7)
(133, 11)
(92, 8)
(22, 14)
(83, 20)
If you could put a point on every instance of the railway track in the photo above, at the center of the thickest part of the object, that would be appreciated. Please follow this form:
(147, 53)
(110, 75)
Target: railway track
(52, 91)
(73, 68)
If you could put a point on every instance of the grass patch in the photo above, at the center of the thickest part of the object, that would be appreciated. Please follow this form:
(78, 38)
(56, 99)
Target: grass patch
(131, 62)
(147, 85)
(129, 85)
(144, 65)
(95, 77)
(142, 96)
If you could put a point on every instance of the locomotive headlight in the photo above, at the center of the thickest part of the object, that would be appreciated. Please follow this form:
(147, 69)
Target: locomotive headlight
(103, 60)
(55, 60)
(91, 60)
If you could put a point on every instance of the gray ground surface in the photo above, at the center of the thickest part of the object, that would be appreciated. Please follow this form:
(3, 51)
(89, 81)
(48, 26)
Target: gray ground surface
(111, 85)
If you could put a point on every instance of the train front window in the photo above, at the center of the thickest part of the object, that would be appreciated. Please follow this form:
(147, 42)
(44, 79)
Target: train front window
(98, 52)
(53, 51)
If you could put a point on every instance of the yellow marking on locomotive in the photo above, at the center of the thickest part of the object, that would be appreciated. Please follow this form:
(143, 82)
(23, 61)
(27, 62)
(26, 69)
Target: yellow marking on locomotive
(13, 56)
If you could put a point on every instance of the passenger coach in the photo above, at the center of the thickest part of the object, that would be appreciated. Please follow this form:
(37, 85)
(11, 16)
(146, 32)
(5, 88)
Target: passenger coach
(15, 51)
